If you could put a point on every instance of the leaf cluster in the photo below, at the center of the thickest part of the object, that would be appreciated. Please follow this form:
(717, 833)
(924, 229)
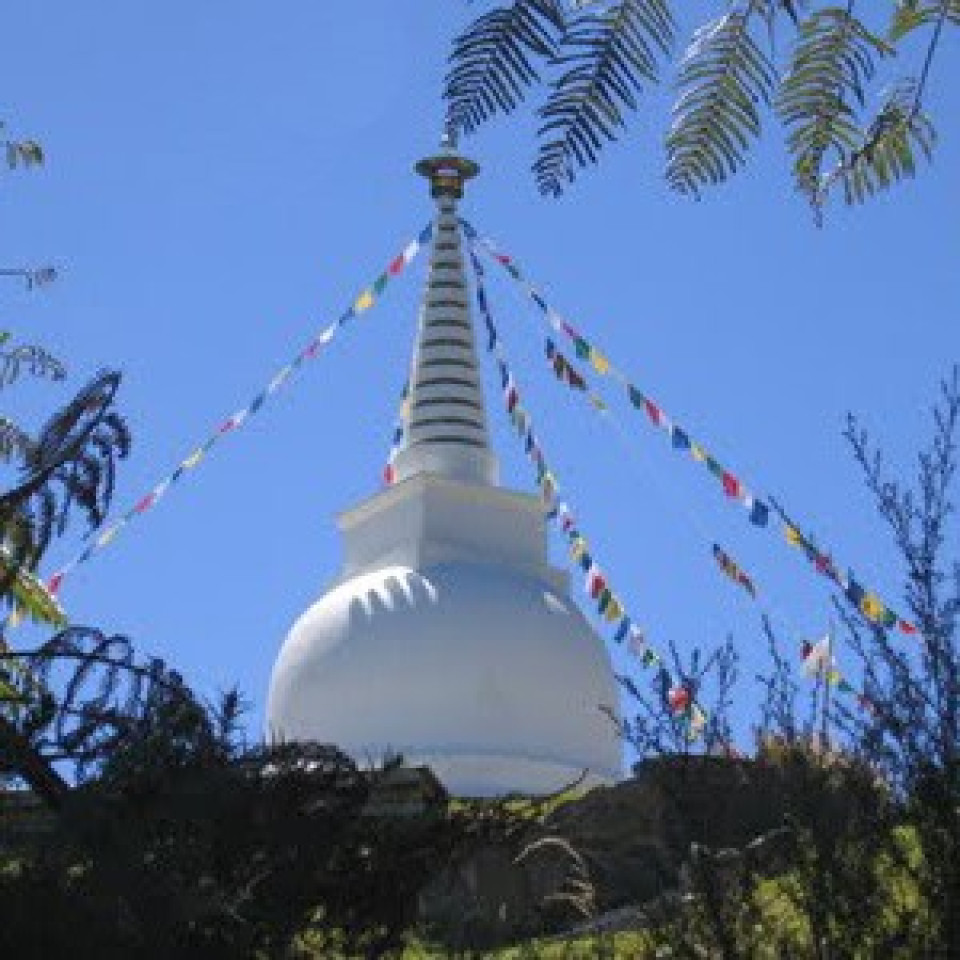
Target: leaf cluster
(593, 60)
(70, 467)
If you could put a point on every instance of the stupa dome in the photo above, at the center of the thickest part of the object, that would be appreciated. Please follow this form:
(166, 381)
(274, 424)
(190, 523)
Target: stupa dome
(489, 679)
(448, 638)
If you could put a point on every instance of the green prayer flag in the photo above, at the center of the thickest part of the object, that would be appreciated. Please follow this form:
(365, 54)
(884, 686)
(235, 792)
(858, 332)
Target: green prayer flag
(605, 599)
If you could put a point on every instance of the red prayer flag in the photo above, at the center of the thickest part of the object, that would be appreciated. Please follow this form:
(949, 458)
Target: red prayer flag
(396, 268)
(653, 411)
(731, 486)
(145, 503)
(597, 584)
(54, 584)
(907, 628)
(679, 699)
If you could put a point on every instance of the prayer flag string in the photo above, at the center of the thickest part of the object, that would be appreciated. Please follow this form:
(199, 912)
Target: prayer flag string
(231, 424)
(399, 433)
(818, 661)
(609, 605)
(758, 509)
(733, 571)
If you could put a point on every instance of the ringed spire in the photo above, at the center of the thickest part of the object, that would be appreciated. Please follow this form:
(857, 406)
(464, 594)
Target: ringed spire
(447, 426)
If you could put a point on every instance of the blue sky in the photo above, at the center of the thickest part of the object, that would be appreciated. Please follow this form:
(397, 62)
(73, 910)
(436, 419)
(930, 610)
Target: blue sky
(223, 179)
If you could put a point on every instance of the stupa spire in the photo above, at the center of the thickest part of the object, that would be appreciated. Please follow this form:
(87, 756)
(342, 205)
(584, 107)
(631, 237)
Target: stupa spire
(447, 425)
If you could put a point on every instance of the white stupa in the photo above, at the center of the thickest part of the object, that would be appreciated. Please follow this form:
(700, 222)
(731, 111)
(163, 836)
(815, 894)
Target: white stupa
(448, 638)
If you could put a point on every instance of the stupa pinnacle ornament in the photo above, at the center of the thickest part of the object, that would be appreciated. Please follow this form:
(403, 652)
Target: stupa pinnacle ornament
(448, 638)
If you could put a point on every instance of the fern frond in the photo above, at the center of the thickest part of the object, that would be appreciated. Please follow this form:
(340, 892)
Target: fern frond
(830, 66)
(72, 463)
(888, 151)
(911, 14)
(723, 76)
(37, 361)
(27, 596)
(493, 60)
(606, 58)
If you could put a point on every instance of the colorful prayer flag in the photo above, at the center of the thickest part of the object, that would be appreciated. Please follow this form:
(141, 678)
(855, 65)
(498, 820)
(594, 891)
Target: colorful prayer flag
(678, 699)
(759, 513)
(731, 486)
(599, 362)
(872, 607)
(614, 611)
(364, 301)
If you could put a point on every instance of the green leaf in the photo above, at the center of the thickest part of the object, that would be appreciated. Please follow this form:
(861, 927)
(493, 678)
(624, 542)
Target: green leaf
(911, 14)
(887, 150)
(493, 62)
(830, 66)
(723, 77)
(605, 59)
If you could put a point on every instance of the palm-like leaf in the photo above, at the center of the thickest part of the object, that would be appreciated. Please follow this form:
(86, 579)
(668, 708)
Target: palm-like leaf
(79, 694)
(723, 76)
(605, 59)
(888, 151)
(493, 60)
(911, 14)
(28, 597)
(829, 69)
(71, 464)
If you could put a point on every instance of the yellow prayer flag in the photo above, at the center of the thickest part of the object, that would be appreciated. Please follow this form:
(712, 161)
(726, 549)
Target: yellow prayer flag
(873, 607)
(600, 363)
(577, 549)
(793, 535)
(192, 460)
(597, 402)
(614, 611)
(833, 676)
(698, 452)
(364, 301)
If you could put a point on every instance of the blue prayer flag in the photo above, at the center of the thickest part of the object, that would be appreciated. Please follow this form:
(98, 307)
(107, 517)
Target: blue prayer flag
(759, 513)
